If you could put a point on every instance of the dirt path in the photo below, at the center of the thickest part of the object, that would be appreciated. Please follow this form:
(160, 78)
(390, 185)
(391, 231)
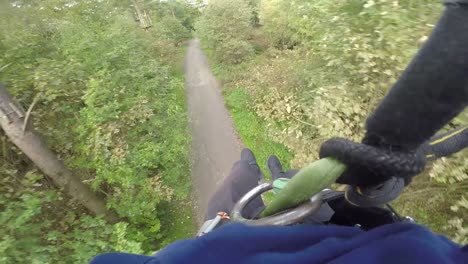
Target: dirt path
(215, 144)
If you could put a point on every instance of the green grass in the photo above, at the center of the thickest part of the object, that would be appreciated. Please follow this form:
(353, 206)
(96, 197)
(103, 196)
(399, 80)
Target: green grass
(253, 130)
(178, 221)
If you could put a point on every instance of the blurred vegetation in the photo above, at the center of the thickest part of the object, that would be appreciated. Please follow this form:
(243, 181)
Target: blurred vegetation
(224, 28)
(111, 104)
(318, 70)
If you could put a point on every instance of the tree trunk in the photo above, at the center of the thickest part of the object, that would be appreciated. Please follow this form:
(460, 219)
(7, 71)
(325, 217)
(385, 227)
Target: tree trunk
(11, 120)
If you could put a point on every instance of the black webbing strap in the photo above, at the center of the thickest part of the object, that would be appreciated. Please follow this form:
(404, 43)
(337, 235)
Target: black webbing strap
(444, 144)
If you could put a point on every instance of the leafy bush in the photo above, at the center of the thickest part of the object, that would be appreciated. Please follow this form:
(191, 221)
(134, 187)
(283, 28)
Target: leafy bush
(224, 28)
(276, 20)
(173, 29)
(38, 225)
(233, 51)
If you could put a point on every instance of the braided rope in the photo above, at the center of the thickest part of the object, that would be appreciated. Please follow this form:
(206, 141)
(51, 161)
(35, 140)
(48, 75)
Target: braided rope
(368, 165)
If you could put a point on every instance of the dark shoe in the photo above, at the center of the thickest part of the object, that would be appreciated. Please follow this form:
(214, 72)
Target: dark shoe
(247, 155)
(275, 168)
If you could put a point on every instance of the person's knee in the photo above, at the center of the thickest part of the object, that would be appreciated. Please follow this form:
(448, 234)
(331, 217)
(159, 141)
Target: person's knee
(242, 168)
(243, 177)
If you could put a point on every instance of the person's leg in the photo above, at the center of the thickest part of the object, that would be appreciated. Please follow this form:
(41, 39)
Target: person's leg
(244, 176)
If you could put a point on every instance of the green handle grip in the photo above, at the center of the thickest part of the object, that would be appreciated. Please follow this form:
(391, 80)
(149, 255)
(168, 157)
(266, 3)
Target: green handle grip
(305, 184)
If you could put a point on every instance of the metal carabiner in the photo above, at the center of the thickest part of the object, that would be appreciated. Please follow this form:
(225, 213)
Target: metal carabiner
(287, 217)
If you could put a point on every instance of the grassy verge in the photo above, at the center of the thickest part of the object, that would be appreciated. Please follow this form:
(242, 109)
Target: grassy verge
(253, 130)
(177, 221)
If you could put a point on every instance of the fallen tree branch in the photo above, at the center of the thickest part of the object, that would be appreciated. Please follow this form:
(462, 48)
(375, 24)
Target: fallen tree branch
(11, 121)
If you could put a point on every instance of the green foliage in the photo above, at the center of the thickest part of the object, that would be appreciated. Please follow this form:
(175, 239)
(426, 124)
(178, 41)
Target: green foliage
(183, 10)
(173, 29)
(451, 170)
(454, 171)
(111, 104)
(459, 223)
(37, 221)
(276, 19)
(224, 27)
(173, 20)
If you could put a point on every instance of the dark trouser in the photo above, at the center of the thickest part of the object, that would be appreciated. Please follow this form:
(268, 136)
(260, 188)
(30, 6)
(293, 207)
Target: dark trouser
(243, 178)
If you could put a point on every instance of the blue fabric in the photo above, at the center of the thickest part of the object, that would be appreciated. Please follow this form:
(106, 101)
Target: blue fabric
(237, 243)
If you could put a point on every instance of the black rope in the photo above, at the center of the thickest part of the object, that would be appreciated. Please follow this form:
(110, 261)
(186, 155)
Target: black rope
(370, 166)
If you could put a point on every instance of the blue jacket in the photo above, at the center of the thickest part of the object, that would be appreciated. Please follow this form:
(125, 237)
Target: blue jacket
(237, 243)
